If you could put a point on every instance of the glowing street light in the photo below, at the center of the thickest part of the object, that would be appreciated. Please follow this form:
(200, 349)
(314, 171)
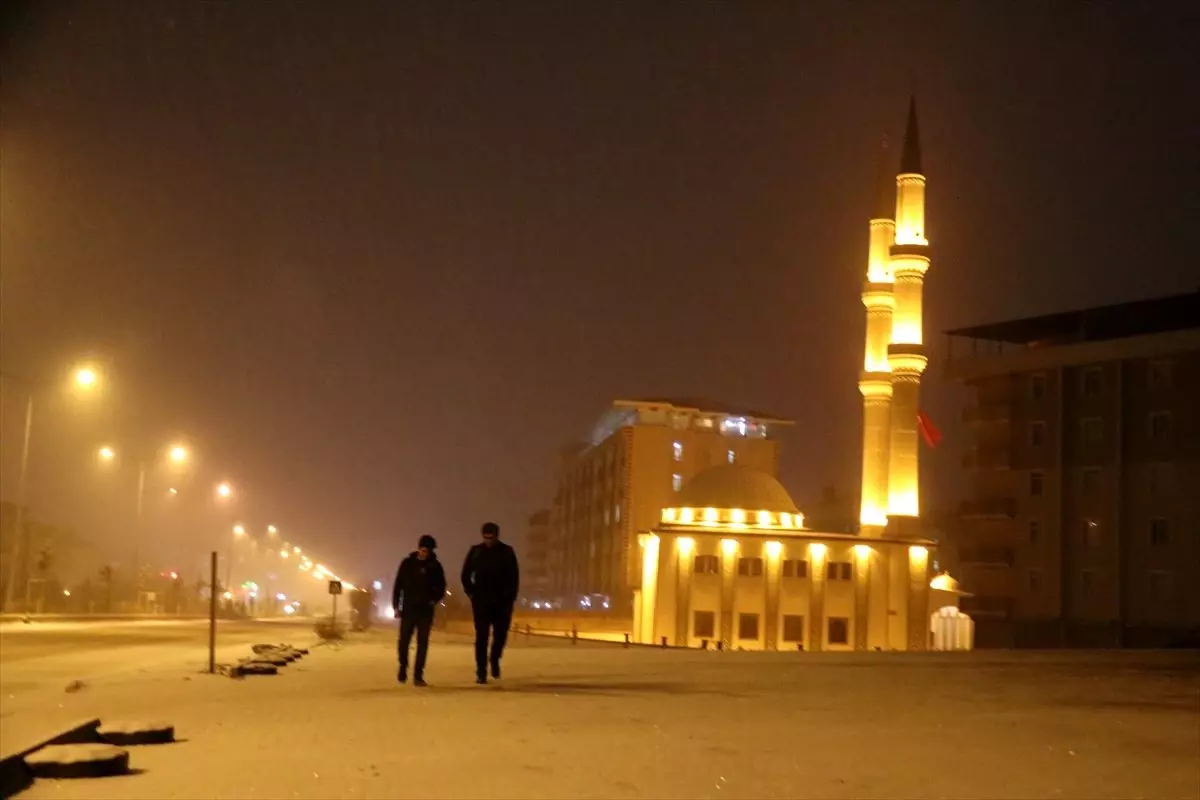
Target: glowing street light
(86, 378)
(106, 454)
(172, 491)
(178, 454)
(272, 530)
(224, 491)
(239, 530)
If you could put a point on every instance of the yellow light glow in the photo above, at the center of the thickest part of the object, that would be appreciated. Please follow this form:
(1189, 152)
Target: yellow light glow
(774, 549)
(224, 491)
(711, 515)
(686, 544)
(817, 550)
(764, 519)
(668, 515)
(729, 546)
(86, 378)
(178, 454)
(106, 453)
(917, 554)
(172, 491)
(229, 595)
(296, 550)
(862, 551)
(283, 553)
(944, 582)
(798, 518)
(903, 503)
(271, 529)
(649, 596)
(738, 516)
(239, 530)
(785, 520)
(686, 515)
(872, 515)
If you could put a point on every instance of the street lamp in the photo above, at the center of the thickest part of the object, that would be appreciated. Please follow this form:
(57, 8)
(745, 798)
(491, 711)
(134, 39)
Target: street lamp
(178, 454)
(224, 491)
(83, 378)
(106, 454)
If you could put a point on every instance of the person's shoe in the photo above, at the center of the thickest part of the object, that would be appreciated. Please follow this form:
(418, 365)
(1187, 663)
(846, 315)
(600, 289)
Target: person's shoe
(481, 678)
(418, 681)
(403, 675)
(496, 670)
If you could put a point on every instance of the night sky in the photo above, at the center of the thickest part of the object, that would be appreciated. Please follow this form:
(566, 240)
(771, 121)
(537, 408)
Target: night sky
(379, 261)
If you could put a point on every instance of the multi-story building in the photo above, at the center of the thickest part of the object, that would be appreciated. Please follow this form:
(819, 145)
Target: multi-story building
(535, 574)
(1084, 528)
(614, 486)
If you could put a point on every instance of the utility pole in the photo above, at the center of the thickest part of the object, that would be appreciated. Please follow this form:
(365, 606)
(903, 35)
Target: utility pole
(20, 554)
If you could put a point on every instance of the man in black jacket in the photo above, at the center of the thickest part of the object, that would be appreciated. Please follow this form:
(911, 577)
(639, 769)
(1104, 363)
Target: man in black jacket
(491, 579)
(420, 586)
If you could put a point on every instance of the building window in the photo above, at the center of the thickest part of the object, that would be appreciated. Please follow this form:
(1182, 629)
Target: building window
(677, 448)
(1160, 534)
(706, 565)
(732, 456)
(1160, 425)
(795, 568)
(1035, 531)
(839, 570)
(750, 567)
(1092, 380)
(1092, 429)
(1037, 484)
(1037, 386)
(748, 626)
(1091, 533)
(793, 628)
(1037, 434)
(704, 624)
(1159, 376)
(1160, 480)
(677, 481)
(1035, 581)
(1090, 481)
(839, 630)
(1088, 582)
(1160, 585)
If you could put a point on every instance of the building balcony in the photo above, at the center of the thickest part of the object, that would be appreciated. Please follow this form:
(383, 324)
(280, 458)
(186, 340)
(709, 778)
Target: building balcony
(988, 508)
(986, 556)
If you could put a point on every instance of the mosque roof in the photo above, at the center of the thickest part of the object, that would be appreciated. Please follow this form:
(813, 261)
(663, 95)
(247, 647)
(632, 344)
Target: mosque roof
(735, 486)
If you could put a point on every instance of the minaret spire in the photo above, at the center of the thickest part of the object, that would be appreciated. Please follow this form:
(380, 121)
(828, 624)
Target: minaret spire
(910, 160)
(885, 190)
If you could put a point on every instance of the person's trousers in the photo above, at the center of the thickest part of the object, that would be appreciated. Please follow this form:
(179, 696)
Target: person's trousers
(493, 619)
(421, 621)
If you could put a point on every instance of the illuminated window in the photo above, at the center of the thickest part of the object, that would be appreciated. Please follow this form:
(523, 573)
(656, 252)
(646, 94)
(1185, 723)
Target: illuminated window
(1037, 484)
(839, 630)
(732, 456)
(1035, 531)
(1160, 426)
(704, 624)
(748, 626)
(1090, 481)
(1037, 386)
(706, 565)
(677, 448)
(1037, 434)
(677, 481)
(750, 567)
(1092, 380)
(839, 571)
(795, 568)
(1159, 532)
(793, 628)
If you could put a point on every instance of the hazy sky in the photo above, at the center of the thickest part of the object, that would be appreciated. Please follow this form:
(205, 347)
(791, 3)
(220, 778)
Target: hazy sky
(380, 260)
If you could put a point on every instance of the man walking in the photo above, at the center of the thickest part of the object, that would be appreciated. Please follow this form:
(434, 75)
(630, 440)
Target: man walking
(420, 586)
(491, 579)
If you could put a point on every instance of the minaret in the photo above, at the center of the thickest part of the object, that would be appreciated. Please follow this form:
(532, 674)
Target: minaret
(906, 353)
(875, 382)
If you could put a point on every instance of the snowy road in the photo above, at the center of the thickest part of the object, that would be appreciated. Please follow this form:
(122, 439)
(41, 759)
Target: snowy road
(595, 720)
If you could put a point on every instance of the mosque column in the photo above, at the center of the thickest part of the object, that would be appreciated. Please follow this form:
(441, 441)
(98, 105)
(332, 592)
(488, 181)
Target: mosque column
(684, 549)
(862, 596)
(816, 597)
(650, 544)
(918, 598)
(729, 558)
(772, 576)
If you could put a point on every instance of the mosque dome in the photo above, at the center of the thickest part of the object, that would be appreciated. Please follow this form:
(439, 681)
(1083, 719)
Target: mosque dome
(736, 486)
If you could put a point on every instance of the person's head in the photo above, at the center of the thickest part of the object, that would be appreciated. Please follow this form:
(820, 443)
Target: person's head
(491, 533)
(425, 546)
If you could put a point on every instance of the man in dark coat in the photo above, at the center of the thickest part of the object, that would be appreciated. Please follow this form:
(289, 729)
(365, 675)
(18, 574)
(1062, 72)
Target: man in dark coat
(420, 586)
(491, 578)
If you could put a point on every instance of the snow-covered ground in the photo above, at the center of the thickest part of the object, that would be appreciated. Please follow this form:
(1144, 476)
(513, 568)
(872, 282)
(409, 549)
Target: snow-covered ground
(598, 720)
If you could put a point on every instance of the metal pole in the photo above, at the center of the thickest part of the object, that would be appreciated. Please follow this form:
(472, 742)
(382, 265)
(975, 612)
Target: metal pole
(19, 521)
(212, 615)
(334, 611)
(137, 537)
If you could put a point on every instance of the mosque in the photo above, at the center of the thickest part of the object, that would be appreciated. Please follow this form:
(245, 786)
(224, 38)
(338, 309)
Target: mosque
(731, 563)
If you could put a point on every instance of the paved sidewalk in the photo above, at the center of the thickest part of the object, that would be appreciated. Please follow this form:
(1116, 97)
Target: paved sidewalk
(595, 720)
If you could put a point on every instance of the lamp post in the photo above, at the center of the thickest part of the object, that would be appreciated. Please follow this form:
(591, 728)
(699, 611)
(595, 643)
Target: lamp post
(84, 379)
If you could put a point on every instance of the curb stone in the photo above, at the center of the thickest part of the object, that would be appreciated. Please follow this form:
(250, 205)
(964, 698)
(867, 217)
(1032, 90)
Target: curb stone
(137, 733)
(16, 775)
(78, 761)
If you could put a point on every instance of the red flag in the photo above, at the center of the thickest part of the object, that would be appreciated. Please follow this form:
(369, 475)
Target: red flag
(929, 432)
